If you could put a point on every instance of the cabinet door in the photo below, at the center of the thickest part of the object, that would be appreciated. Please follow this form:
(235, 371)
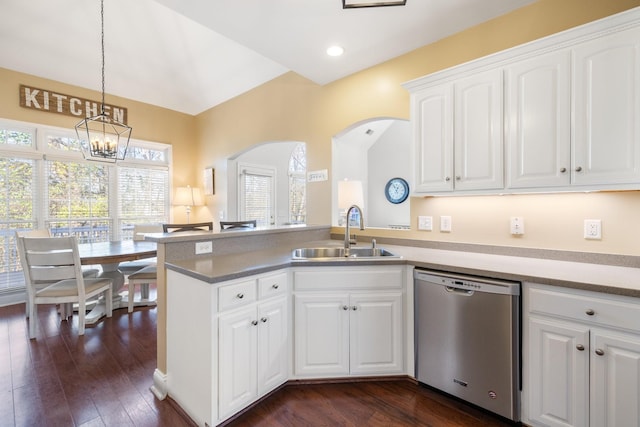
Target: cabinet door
(615, 379)
(376, 333)
(478, 152)
(237, 359)
(538, 118)
(558, 373)
(433, 138)
(607, 110)
(321, 334)
(273, 360)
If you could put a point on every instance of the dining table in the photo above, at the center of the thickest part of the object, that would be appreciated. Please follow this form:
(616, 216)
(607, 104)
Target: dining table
(109, 255)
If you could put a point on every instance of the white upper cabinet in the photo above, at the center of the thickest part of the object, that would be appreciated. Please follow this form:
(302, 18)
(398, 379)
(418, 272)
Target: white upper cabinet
(558, 114)
(538, 121)
(607, 110)
(433, 128)
(478, 132)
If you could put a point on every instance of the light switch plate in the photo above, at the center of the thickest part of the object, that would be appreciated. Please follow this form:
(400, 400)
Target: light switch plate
(445, 224)
(517, 225)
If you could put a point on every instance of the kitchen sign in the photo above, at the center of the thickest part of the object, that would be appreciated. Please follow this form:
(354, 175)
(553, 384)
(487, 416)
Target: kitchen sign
(68, 105)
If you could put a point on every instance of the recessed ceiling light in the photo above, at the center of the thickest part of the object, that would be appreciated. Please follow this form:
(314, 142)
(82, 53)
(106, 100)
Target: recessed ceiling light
(349, 4)
(335, 51)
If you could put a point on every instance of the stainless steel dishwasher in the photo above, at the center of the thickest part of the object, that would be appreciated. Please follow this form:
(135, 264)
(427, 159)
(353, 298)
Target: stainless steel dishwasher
(468, 339)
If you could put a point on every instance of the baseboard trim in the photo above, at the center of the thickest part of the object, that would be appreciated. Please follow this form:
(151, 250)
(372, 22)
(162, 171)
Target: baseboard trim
(159, 387)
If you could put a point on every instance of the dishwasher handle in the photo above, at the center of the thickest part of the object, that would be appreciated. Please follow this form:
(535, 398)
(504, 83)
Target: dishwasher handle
(465, 292)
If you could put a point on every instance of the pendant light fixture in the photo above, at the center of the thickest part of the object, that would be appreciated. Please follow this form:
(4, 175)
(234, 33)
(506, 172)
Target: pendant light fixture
(103, 138)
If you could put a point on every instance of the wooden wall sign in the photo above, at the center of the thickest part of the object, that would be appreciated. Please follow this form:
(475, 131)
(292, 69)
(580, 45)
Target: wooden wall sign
(68, 105)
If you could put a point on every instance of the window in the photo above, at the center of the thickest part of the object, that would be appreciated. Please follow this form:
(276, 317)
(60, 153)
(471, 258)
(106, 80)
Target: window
(46, 183)
(298, 185)
(257, 186)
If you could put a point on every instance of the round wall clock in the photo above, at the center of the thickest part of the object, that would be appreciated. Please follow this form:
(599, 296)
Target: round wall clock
(396, 190)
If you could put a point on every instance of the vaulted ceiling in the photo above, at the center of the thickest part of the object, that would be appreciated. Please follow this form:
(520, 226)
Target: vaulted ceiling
(191, 55)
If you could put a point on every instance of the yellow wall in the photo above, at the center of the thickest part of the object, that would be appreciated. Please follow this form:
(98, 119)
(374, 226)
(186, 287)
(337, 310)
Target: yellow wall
(290, 107)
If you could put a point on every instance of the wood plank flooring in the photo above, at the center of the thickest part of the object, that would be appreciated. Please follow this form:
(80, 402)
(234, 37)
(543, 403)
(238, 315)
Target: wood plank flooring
(103, 379)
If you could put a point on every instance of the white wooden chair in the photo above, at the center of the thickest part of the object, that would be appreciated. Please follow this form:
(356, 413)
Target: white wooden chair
(65, 310)
(147, 271)
(57, 259)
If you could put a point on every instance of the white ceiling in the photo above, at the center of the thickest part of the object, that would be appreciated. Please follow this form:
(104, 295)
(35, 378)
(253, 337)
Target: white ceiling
(190, 55)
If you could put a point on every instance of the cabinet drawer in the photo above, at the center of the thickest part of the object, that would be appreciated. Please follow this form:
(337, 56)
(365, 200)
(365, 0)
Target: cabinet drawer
(617, 312)
(237, 294)
(348, 278)
(272, 285)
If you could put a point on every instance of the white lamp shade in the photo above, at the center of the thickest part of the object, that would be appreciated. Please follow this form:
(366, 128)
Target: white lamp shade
(188, 196)
(350, 193)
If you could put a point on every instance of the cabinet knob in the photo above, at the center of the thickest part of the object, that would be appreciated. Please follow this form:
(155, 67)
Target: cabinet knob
(580, 347)
(590, 312)
(579, 169)
(240, 296)
(457, 178)
(345, 307)
(254, 322)
(563, 170)
(354, 308)
(275, 286)
(599, 352)
(447, 179)
(264, 320)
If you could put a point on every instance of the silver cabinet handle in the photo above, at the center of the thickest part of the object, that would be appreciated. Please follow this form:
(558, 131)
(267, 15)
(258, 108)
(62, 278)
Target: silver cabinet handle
(599, 352)
(264, 320)
(447, 179)
(254, 322)
(590, 312)
(275, 286)
(580, 347)
(354, 308)
(240, 296)
(579, 169)
(563, 170)
(345, 307)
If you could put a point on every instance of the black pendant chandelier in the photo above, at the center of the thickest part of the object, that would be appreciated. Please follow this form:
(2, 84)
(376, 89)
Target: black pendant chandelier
(103, 138)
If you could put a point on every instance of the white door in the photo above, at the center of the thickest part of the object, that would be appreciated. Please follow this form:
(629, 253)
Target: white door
(376, 333)
(237, 364)
(538, 121)
(615, 379)
(273, 352)
(321, 334)
(607, 110)
(478, 132)
(433, 138)
(558, 373)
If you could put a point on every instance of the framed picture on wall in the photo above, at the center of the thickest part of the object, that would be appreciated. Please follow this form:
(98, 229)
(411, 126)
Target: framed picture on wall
(209, 181)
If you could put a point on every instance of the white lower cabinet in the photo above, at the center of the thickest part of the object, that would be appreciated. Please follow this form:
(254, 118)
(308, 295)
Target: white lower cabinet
(581, 358)
(228, 344)
(348, 321)
(252, 353)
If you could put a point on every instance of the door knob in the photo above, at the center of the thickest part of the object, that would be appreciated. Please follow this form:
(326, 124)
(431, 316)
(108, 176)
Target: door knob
(254, 322)
(345, 307)
(599, 352)
(580, 347)
(579, 169)
(563, 170)
(240, 296)
(263, 320)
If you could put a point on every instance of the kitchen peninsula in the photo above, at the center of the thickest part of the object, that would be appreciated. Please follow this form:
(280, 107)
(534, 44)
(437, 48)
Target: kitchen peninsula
(249, 276)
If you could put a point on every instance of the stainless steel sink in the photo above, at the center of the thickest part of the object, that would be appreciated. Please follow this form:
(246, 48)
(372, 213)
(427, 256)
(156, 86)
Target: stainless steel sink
(333, 253)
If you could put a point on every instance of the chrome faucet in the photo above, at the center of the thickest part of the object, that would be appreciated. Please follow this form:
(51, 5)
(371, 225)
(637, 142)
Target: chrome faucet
(347, 237)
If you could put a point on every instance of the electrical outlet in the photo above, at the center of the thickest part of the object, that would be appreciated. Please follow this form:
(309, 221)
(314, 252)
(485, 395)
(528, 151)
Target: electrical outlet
(445, 224)
(517, 225)
(425, 223)
(593, 229)
(204, 247)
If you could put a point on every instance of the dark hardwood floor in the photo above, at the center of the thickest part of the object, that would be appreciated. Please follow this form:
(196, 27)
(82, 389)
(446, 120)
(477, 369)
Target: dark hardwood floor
(103, 379)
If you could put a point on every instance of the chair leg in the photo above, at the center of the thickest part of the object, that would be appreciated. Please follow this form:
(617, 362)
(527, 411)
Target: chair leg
(132, 289)
(82, 312)
(109, 301)
(33, 320)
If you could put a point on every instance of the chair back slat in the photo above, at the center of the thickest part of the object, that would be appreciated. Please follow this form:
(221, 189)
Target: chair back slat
(50, 258)
(52, 273)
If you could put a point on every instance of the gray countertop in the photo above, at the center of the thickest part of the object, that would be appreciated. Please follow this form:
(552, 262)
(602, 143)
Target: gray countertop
(594, 277)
